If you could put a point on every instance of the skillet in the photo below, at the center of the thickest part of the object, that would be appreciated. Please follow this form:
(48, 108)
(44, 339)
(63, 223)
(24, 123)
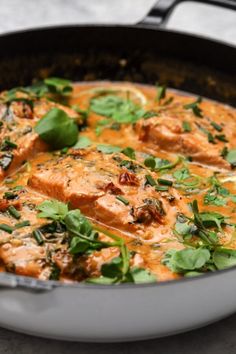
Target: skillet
(193, 64)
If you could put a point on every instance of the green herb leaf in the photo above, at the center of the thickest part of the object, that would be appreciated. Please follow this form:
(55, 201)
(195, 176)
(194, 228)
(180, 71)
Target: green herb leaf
(194, 106)
(59, 86)
(117, 108)
(128, 151)
(82, 143)
(52, 209)
(57, 129)
(224, 258)
(108, 149)
(231, 157)
(186, 260)
(186, 127)
(161, 92)
(141, 276)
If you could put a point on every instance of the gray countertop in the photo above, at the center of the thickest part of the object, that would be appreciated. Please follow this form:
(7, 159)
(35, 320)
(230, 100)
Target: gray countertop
(196, 18)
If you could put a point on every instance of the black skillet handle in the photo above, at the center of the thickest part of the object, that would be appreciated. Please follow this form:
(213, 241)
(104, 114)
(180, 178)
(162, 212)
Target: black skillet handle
(161, 11)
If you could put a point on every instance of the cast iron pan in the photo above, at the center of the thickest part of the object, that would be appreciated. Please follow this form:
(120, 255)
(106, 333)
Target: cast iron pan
(145, 53)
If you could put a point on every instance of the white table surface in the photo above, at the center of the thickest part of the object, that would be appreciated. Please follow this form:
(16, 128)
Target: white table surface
(219, 338)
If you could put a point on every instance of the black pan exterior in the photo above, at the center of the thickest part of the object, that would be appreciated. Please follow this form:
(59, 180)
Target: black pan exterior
(137, 54)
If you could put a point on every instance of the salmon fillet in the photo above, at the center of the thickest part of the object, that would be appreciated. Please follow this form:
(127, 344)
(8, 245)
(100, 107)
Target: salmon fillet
(166, 132)
(94, 182)
(18, 141)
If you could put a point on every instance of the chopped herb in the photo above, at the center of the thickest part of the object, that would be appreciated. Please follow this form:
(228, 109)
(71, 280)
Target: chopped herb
(37, 234)
(130, 165)
(10, 195)
(58, 85)
(221, 137)
(224, 152)
(162, 188)
(165, 182)
(186, 126)
(216, 126)
(55, 272)
(181, 174)
(122, 199)
(8, 145)
(6, 228)
(150, 114)
(194, 106)
(22, 224)
(157, 164)
(129, 152)
(15, 213)
(210, 138)
(161, 92)
(57, 129)
(150, 180)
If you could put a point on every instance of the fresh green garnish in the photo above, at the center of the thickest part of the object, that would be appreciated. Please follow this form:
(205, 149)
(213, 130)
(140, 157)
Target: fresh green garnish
(57, 129)
(194, 106)
(230, 156)
(116, 108)
(58, 86)
(150, 180)
(186, 260)
(122, 199)
(217, 194)
(84, 238)
(221, 137)
(157, 164)
(22, 224)
(161, 188)
(161, 92)
(37, 234)
(108, 149)
(8, 145)
(128, 151)
(82, 143)
(52, 209)
(165, 182)
(15, 213)
(186, 126)
(224, 258)
(216, 126)
(6, 228)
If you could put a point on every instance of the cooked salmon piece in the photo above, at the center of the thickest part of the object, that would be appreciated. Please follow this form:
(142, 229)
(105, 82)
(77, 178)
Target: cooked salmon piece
(109, 188)
(18, 141)
(200, 136)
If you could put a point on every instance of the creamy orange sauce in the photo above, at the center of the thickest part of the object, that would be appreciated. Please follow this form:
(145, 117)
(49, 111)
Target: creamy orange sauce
(82, 180)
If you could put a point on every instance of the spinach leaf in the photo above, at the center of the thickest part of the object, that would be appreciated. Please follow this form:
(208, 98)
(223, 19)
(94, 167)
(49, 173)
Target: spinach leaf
(141, 276)
(82, 143)
(57, 129)
(186, 260)
(117, 108)
(224, 258)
